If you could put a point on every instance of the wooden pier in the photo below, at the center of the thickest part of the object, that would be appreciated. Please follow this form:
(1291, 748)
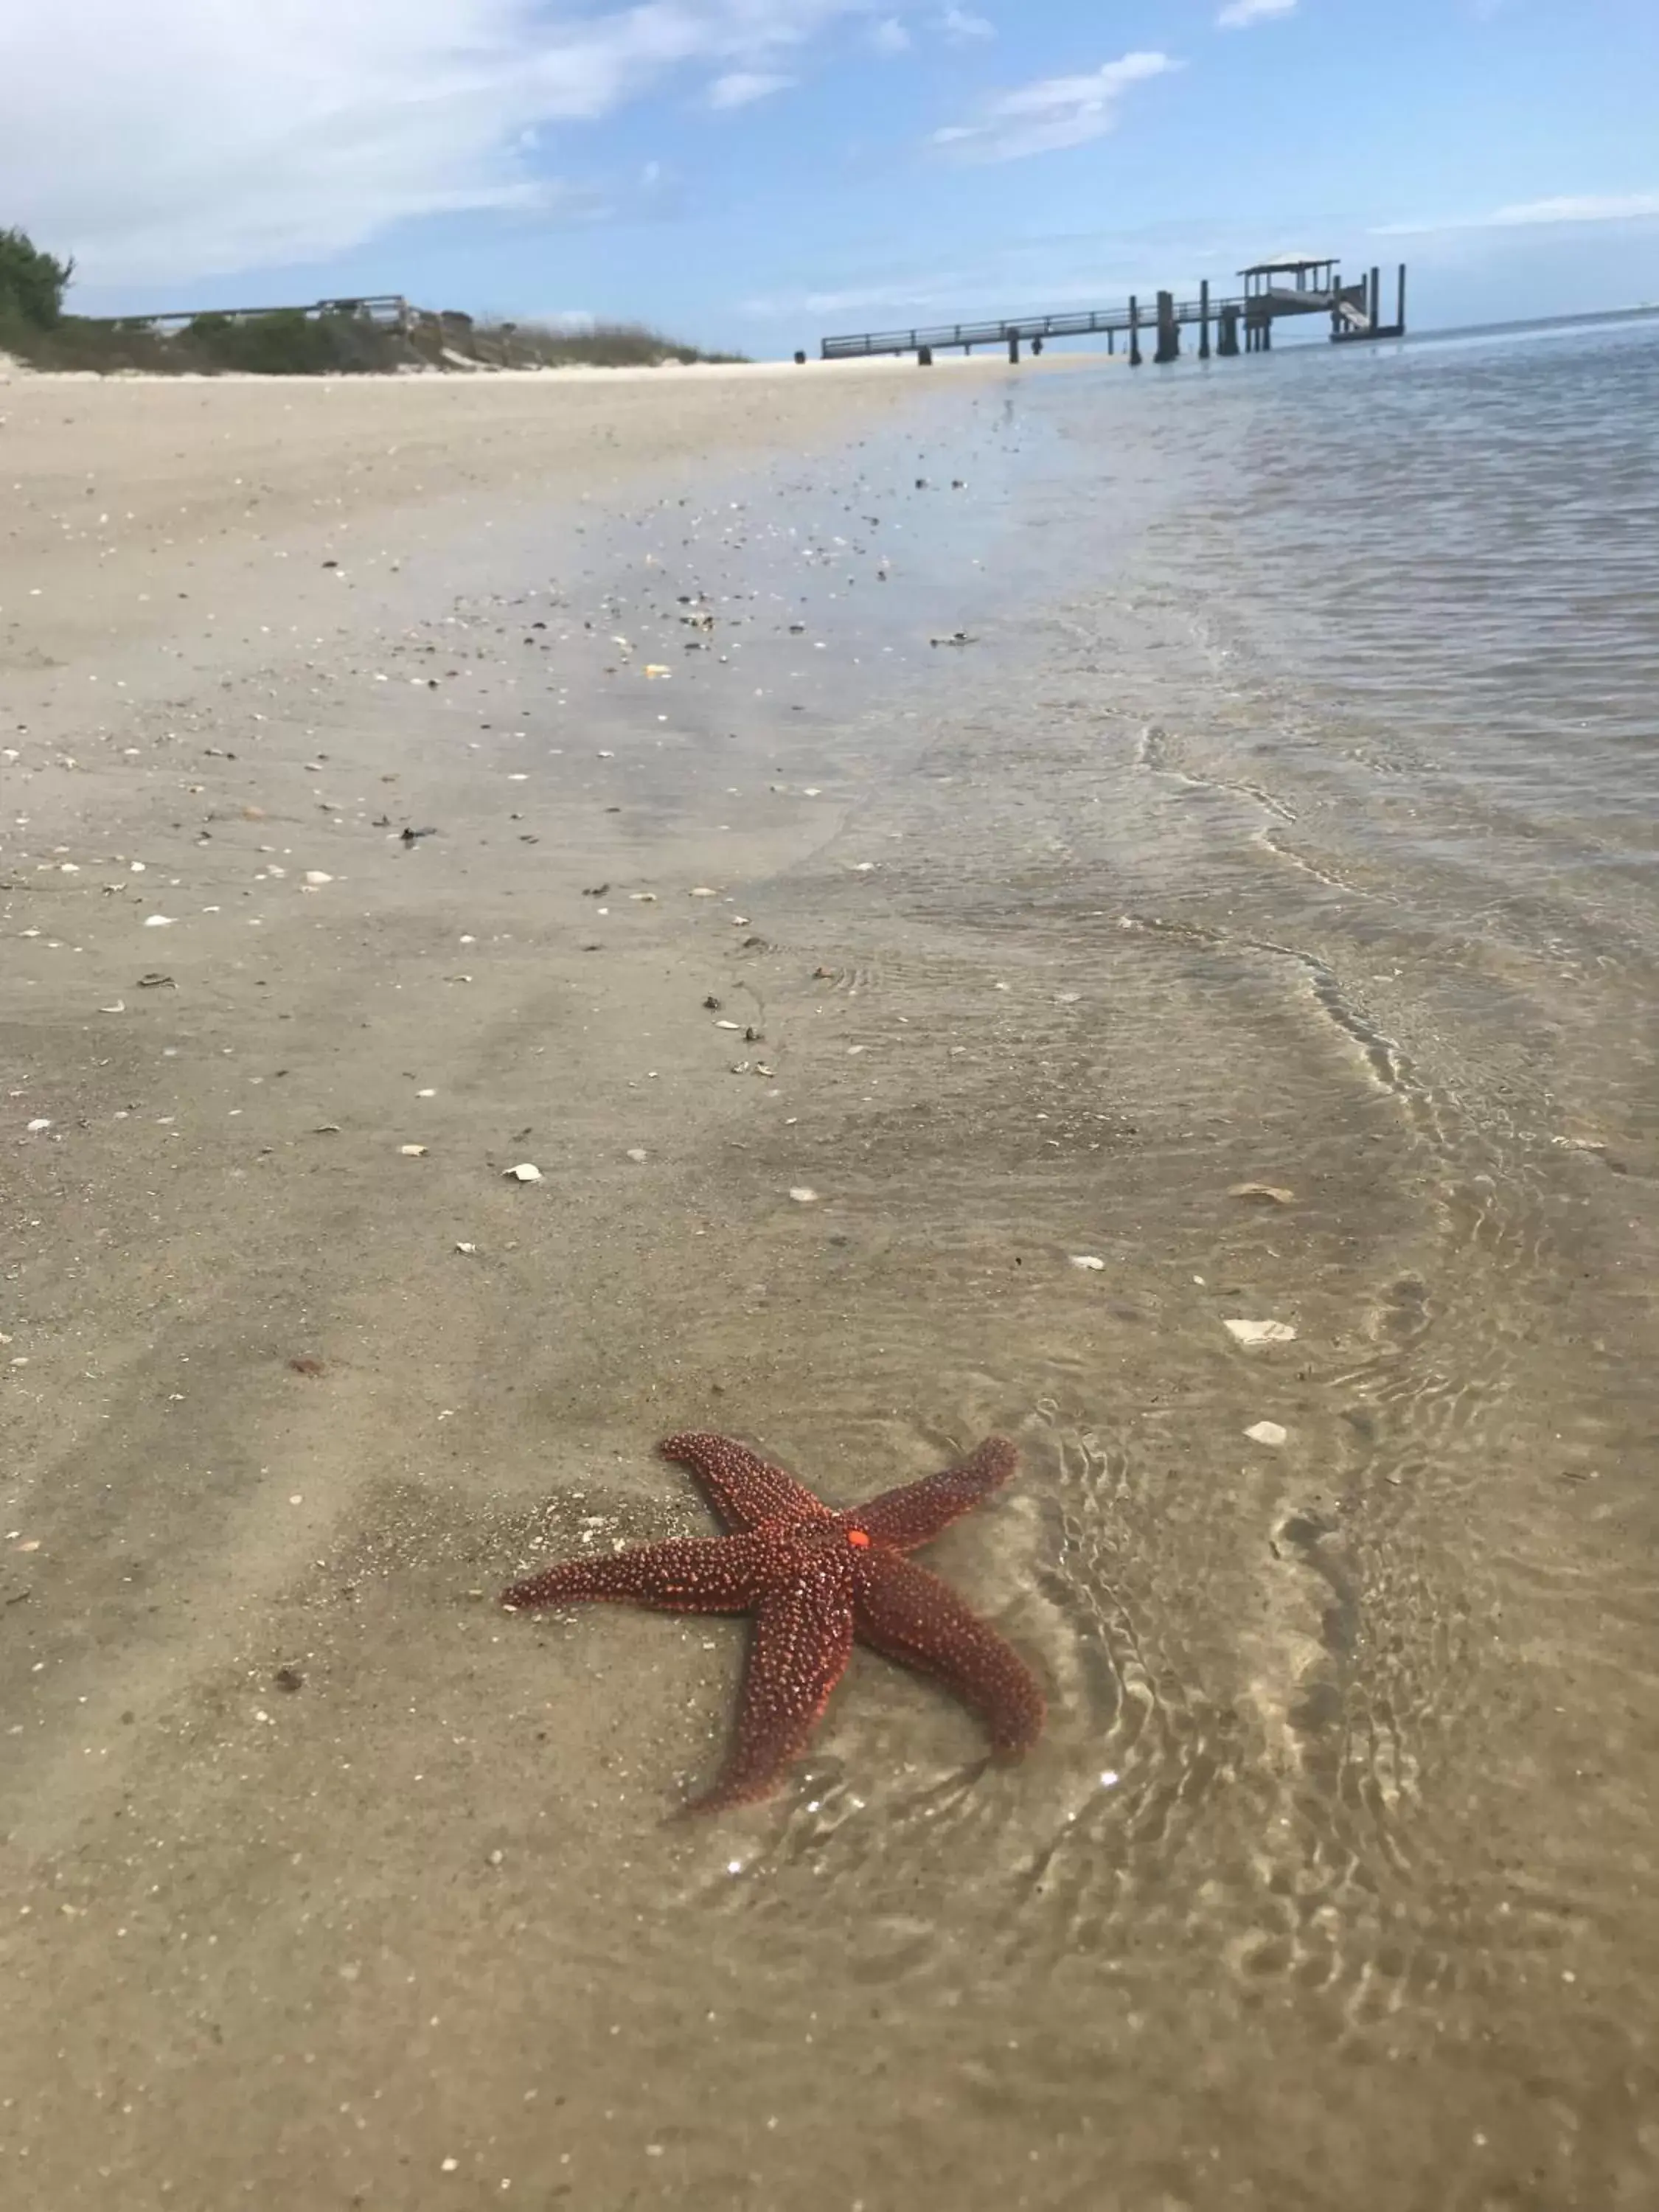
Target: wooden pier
(1243, 322)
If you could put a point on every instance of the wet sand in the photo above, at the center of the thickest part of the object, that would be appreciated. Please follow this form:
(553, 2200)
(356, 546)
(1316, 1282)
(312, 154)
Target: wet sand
(288, 1400)
(333, 1884)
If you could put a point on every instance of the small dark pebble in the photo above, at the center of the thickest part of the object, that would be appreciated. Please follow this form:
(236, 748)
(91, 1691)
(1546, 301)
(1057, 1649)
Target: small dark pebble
(289, 1678)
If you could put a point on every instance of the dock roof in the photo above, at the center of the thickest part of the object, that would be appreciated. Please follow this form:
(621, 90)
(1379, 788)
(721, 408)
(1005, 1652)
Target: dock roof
(1288, 262)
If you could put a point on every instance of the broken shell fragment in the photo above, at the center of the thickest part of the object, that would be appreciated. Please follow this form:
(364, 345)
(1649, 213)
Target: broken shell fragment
(1266, 1432)
(524, 1172)
(1259, 1332)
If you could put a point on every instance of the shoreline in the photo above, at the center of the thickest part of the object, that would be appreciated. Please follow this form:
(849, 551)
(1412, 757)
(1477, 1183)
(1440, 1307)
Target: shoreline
(560, 372)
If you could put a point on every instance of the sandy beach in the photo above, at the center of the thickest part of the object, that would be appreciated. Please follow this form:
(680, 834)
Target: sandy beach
(124, 491)
(296, 1380)
(959, 962)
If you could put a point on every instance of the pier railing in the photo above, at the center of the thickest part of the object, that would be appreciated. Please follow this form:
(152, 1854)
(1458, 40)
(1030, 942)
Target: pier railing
(1355, 311)
(388, 311)
(1093, 322)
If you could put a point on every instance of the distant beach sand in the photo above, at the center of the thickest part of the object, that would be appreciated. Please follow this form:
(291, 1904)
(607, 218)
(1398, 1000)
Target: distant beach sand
(116, 486)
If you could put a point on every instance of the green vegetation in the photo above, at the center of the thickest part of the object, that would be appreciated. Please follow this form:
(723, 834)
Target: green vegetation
(340, 336)
(32, 284)
(606, 345)
(290, 343)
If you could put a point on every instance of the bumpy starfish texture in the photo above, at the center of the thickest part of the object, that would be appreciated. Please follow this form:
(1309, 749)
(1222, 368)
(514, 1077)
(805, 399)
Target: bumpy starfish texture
(816, 1581)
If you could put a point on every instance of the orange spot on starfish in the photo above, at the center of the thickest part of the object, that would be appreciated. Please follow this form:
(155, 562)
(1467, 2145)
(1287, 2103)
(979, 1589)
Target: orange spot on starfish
(815, 1584)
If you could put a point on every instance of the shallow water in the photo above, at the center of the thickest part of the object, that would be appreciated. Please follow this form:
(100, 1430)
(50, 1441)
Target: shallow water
(1303, 840)
(1315, 851)
(1287, 824)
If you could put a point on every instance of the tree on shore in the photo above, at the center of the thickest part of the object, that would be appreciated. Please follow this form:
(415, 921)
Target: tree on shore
(32, 281)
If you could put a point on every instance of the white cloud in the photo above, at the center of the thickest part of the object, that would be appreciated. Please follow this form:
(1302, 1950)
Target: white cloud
(890, 37)
(189, 138)
(906, 298)
(738, 87)
(962, 28)
(1586, 207)
(1054, 113)
(1239, 14)
(1582, 207)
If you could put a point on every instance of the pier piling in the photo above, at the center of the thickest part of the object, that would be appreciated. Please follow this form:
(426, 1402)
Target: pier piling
(1169, 330)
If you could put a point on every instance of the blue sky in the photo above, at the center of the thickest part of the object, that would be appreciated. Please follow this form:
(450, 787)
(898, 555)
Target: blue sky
(755, 173)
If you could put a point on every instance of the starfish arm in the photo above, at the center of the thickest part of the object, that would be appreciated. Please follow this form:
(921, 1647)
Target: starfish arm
(689, 1574)
(907, 1614)
(744, 1489)
(916, 1514)
(803, 1638)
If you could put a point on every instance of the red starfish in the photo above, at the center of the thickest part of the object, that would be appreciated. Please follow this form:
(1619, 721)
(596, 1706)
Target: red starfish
(815, 1580)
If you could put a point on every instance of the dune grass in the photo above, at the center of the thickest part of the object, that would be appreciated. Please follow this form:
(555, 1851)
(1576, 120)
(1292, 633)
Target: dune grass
(298, 342)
